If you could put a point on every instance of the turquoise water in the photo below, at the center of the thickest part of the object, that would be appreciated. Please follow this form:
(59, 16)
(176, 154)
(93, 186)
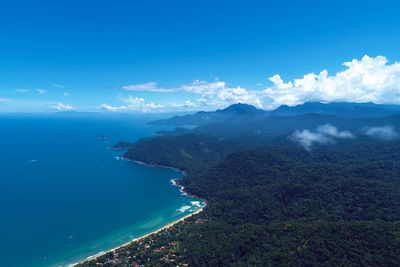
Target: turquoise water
(65, 195)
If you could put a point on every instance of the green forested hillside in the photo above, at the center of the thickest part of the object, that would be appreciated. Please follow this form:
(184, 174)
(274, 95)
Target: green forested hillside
(185, 152)
(283, 206)
(270, 202)
(280, 206)
(282, 183)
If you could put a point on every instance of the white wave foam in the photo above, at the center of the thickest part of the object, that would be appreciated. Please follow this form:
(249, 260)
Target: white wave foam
(182, 190)
(196, 203)
(184, 208)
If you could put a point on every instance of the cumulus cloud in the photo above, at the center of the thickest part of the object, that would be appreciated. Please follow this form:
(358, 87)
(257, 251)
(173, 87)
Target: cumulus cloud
(62, 107)
(137, 104)
(108, 107)
(369, 79)
(133, 104)
(324, 134)
(384, 133)
(307, 138)
(219, 94)
(187, 104)
(213, 94)
(332, 131)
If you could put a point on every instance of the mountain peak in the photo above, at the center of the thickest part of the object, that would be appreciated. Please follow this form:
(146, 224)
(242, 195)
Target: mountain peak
(241, 108)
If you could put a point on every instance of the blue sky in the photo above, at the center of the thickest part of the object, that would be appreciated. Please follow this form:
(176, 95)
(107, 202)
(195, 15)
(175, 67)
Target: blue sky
(158, 56)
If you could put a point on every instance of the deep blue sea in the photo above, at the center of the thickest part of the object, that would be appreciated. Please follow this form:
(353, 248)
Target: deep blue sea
(65, 195)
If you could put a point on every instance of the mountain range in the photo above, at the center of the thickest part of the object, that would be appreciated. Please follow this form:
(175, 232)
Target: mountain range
(245, 112)
(311, 185)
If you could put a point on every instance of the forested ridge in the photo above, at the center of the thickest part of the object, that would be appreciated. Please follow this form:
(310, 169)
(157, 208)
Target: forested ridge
(276, 204)
(281, 205)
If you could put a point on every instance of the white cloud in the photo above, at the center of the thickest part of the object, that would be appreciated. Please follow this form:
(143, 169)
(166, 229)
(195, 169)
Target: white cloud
(213, 94)
(370, 79)
(307, 139)
(56, 85)
(189, 104)
(238, 95)
(325, 134)
(133, 104)
(41, 91)
(203, 87)
(385, 133)
(109, 107)
(62, 107)
(332, 131)
(137, 104)
(218, 94)
(150, 87)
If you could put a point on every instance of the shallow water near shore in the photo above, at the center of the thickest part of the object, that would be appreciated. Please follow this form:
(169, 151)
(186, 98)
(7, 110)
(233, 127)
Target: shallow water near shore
(65, 195)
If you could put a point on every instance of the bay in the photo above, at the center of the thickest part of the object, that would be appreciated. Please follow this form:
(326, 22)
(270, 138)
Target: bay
(66, 195)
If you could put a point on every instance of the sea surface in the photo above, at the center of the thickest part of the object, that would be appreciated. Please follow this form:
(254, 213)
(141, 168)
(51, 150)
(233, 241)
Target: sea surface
(66, 195)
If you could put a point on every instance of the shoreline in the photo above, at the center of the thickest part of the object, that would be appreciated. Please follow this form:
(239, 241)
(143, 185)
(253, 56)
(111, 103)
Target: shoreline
(154, 165)
(173, 181)
(102, 253)
(169, 225)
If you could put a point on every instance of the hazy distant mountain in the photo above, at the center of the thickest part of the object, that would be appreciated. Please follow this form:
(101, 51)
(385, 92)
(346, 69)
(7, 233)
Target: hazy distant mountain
(240, 109)
(233, 112)
(341, 109)
(247, 113)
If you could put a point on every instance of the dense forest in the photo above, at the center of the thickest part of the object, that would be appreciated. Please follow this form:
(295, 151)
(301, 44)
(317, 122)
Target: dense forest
(274, 203)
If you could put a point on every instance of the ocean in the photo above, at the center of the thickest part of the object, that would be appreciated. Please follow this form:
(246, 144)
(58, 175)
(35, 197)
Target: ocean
(66, 195)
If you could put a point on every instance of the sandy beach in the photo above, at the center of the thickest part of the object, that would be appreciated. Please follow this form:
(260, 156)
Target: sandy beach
(138, 239)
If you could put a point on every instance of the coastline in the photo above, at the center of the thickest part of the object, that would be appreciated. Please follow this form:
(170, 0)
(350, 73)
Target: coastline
(169, 225)
(154, 165)
(173, 181)
(93, 257)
